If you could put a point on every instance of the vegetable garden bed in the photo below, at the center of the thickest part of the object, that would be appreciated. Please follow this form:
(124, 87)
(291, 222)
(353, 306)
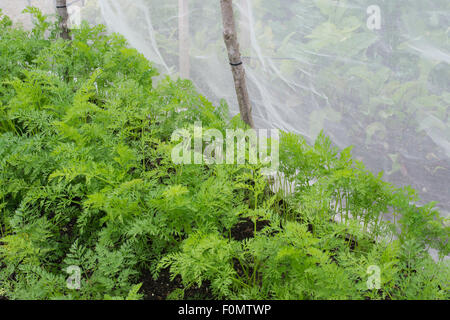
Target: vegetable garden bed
(86, 180)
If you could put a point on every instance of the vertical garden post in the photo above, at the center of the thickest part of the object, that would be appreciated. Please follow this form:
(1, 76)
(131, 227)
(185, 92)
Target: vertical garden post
(61, 8)
(237, 67)
(183, 35)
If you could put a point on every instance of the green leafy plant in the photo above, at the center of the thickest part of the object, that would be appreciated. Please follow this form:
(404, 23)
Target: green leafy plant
(87, 180)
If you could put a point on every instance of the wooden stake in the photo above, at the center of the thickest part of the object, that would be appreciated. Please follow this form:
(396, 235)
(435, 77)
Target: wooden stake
(61, 8)
(183, 35)
(237, 67)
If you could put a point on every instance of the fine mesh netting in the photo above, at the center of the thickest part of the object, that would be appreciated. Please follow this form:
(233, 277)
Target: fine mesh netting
(370, 73)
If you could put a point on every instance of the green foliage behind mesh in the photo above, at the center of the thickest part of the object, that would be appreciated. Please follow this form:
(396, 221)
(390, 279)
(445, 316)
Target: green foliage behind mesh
(86, 179)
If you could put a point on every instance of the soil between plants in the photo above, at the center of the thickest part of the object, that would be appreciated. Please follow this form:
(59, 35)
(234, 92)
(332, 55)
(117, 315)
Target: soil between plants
(246, 229)
(161, 288)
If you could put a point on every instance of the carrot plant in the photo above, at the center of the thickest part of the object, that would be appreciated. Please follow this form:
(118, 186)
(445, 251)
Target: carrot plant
(87, 180)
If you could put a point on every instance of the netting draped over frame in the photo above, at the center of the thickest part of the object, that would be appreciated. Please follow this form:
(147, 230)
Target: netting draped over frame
(372, 73)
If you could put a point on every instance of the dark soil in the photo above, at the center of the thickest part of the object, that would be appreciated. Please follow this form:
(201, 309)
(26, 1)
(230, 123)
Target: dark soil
(159, 289)
(67, 230)
(240, 271)
(162, 287)
(246, 229)
(353, 243)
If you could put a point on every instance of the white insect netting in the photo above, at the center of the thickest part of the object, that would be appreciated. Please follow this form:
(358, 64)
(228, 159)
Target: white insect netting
(371, 73)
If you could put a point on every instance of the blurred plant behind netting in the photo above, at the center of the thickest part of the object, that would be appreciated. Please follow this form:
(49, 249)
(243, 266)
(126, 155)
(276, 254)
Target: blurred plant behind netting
(313, 65)
(317, 64)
